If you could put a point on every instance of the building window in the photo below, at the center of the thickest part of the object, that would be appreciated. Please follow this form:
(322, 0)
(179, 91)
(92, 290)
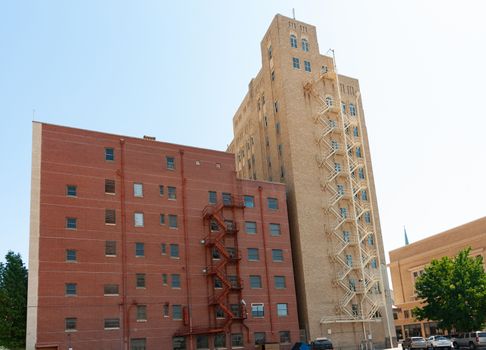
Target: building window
(140, 280)
(110, 289)
(109, 154)
(227, 198)
(236, 339)
(364, 195)
(110, 248)
(277, 128)
(295, 63)
(235, 310)
(219, 312)
(374, 263)
(165, 310)
(259, 338)
(352, 109)
(71, 223)
(141, 312)
(250, 227)
(367, 217)
(71, 289)
(293, 41)
(138, 219)
(162, 219)
(163, 248)
(175, 280)
(277, 255)
(174, 250)
(361, 173)
(257, 310)
(284, 337)
(202, 342)
(355, 309)
(164, 279)
(346, 236)
(272, 203)
(172, 221)
(329, 101)
(280, 150)
(340, 190)
(253, 254)
(371, 240)
(179, 343)
(171, 192)
(220, 340)
(170, 161)
(352, 284)
(307, 66)
(272, 75)
(305, 45)
(282, 310)
(344, 212)
(213, 225)
(249, 201)
(255, 281)
(71, 255)
(406, 314)
(71, 191)
(138, 190)
(109, 186)
(358, 152)
(275, 230)
(161, 190)
(270, 52)
(355, 131)
(279, 282)
(334, 145)
(349, 260)
(275, 106)
(70, 323)
(139, 250)
(110, 216)
(343, 107)
(177, 312)
(112, 323)
(337, 167)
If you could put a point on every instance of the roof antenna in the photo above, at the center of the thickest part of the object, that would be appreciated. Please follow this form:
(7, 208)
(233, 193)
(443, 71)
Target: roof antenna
(293, 13)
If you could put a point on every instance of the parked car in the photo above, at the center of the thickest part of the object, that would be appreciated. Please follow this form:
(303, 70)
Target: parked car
(414, 343)
(439, 342)
(301, 346)
(321, 344)
(471, 340)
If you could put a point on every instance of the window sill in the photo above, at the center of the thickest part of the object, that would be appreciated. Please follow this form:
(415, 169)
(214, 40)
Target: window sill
(70, 330)
(110, 256)
(140, 288)
(109, 224)
(111, 295)
(112, 329)
(110, 193)
(141, 321)
(172, 199)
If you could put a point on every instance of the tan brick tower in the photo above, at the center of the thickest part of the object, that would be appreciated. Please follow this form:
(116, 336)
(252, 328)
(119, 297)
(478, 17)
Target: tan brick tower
(303, 124)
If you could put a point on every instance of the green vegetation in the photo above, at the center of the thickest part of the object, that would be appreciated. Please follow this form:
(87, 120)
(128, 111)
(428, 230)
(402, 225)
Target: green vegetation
(454, 293)
(13, 301)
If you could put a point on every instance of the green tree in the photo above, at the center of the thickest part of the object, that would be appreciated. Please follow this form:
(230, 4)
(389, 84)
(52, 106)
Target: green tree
(453, 291)
(13, 301)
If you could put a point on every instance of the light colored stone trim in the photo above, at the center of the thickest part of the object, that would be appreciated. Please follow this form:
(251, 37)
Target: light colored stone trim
(32, 298)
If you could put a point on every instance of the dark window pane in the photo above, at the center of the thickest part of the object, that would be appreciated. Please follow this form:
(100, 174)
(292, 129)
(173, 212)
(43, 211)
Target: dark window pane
(109, 186)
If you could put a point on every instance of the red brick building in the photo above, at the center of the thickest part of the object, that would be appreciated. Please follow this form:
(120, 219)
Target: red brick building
(139, 244)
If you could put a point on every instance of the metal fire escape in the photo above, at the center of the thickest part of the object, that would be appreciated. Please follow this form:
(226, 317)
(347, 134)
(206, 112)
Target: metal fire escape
(222, 246)
(346, 204)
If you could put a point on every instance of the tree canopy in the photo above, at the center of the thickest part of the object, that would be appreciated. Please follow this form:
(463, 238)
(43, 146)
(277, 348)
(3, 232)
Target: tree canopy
(13, 301)
(453, 291)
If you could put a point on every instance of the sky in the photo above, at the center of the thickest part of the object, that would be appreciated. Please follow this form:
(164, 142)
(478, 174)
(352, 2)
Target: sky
(178, 70)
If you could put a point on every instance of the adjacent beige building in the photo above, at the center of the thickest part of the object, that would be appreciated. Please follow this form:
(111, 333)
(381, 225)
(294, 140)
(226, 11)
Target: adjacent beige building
(303, 124)
(408, 262)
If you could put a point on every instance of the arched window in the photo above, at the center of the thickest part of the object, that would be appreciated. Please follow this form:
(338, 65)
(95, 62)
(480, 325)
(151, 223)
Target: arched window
(305, 45)
(352, 109)
(293, 41)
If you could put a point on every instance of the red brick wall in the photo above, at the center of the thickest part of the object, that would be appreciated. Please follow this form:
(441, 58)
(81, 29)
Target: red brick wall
(76, 157)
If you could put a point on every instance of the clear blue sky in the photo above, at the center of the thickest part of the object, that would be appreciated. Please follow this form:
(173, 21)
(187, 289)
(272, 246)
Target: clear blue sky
(177, 70)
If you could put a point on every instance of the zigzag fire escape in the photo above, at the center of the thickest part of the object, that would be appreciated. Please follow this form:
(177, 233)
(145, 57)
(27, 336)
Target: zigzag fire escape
(222, 245)
(346, 205)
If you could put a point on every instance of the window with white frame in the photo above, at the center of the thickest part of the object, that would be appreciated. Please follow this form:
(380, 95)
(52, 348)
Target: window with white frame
(138, 190)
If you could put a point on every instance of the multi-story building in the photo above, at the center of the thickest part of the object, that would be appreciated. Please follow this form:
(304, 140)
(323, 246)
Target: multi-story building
(139, 244)
(408, 262)
(302, 124)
